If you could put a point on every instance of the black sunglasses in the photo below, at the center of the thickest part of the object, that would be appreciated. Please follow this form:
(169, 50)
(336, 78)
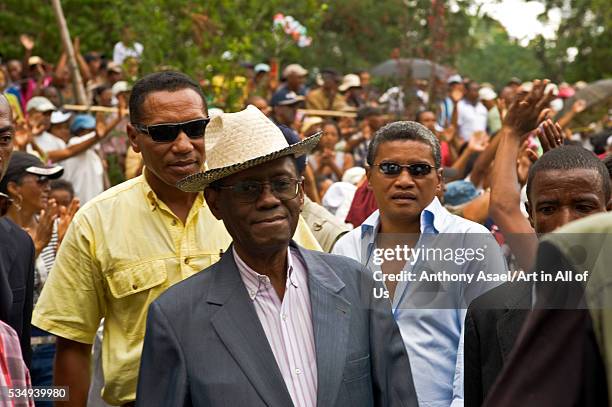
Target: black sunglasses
(168, 132)
(284, 189)
(394, 169)
(5, 203)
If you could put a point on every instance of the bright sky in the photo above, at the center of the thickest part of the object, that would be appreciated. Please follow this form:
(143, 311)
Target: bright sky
(520, 17)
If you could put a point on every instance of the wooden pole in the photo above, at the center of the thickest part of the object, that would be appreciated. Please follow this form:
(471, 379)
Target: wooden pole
(74, 69)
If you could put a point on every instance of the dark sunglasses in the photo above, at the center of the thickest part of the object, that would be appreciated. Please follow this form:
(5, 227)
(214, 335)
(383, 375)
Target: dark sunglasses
(168, 132)
(394, 169)
(284, 189)
(5, 203)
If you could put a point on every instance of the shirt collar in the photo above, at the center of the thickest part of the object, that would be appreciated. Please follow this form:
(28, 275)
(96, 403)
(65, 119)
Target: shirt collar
(434, 215)
(155, 203)
(254, 282)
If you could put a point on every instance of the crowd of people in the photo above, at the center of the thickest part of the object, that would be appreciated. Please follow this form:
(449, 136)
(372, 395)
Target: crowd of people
(144, 260)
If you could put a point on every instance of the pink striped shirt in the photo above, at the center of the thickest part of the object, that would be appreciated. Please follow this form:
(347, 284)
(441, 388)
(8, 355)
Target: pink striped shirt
(288, 326)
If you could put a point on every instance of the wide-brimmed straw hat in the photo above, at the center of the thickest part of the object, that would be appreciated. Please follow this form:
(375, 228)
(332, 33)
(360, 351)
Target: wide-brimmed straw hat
(235, 142)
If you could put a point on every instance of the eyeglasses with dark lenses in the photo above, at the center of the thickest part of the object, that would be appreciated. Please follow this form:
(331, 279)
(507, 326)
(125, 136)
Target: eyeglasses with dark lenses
(168, 132)
(284, 189)
(394, 169)
(5, 203)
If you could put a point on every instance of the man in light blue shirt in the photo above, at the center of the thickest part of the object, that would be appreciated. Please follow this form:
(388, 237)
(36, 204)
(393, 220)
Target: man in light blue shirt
(405, 175)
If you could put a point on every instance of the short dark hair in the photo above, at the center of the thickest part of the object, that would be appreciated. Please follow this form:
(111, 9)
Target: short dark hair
(159, 81)
(417, 118)
(404, 130)
(570, 158)
(368, 111)
(62, 185)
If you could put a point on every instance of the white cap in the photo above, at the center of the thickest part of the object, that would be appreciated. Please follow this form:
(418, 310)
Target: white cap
(487, 94)
(556, 104)
(296, 69)
(58, 117)
(121, 86)
(454, 79)
(349, 81)
(40, 104)
(262, 68)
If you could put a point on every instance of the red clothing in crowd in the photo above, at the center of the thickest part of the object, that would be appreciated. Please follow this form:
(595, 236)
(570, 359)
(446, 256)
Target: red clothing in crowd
(363, 205)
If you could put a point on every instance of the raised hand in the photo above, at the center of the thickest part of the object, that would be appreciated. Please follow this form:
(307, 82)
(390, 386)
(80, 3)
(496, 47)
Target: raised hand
(528, 110)
(550, 135)
(527, 156)
(27, 42)
(65, 217)
(579, 106)
(42, 235)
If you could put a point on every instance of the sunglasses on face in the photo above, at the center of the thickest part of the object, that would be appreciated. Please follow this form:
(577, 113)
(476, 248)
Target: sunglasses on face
(168, 132)
(5, 203)
(394, 169)
(284, 189)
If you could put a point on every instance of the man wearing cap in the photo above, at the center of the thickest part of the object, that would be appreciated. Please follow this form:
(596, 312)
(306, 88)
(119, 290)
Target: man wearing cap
(39, 110)
(455, 92)
(326, 97)
(351, 88)
(272, 323)
(16, 251)
(284, 107)
(488, 97)
(129, 244)
(294, 76)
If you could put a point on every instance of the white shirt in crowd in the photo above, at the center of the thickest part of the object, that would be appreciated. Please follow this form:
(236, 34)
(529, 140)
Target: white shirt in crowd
(121, 52)
(471, 118)
(85, 171)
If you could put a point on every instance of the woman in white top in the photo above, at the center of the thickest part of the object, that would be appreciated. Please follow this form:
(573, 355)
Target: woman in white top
(327, 161)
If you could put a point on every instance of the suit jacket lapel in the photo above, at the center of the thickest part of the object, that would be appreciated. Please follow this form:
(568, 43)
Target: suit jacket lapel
(510, 323)
(238, 326)
(331, 314)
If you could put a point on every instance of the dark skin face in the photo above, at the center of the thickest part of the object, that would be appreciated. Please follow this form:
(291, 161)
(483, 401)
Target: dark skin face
(295, 81)
(264, 227)
(428, 119)
(167, 163)
(558, 197)
(14, 69)
(329, 83)
(330, 137)
(61, 130)
(285, 114)
(34, 195)
(402, 198)
(472, 92)
(7, 132)
(62, 197)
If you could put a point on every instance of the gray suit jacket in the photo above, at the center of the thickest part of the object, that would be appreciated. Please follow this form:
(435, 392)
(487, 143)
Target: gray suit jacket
(204, 344)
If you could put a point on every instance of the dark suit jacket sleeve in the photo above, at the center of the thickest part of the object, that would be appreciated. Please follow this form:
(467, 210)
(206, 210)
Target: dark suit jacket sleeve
(28, 304)
(472, 364)
(162, 380)
(391, 373)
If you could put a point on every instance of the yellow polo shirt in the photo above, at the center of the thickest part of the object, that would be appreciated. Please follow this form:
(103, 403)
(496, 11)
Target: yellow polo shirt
(122, 250)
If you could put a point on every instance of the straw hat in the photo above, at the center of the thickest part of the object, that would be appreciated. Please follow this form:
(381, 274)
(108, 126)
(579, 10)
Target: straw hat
(235, 142)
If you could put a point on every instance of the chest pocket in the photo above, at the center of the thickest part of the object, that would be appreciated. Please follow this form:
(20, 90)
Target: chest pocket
(136, 279)
(132, 290)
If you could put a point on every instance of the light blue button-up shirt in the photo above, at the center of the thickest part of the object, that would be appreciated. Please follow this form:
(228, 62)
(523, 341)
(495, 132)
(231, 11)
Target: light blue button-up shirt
(433, 337)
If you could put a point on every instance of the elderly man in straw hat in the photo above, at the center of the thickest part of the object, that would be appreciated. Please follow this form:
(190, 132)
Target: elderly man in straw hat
(271, 324)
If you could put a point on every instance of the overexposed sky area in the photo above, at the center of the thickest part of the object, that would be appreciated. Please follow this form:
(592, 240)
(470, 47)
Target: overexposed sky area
(520, 17)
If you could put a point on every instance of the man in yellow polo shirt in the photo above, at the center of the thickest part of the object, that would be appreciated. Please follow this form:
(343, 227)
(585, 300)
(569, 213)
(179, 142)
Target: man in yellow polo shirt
(132, 242)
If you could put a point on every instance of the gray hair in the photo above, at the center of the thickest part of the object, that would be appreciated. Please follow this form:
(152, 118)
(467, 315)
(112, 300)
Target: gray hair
(404, 130)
